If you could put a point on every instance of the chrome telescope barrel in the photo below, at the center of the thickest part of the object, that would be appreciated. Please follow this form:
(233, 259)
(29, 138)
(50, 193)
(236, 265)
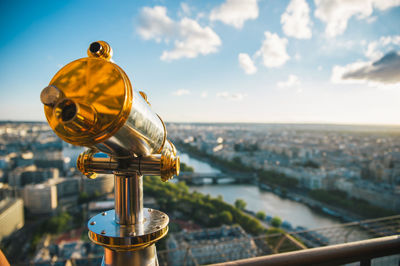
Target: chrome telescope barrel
(90, 102)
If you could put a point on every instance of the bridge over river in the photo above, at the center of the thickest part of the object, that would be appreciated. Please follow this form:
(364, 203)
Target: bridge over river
(195, 178)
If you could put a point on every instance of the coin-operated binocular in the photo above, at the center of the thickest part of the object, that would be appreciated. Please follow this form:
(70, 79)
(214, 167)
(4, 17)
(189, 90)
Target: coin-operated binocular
(90, 102)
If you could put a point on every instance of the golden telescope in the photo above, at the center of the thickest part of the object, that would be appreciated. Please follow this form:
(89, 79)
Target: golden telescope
(90, 102)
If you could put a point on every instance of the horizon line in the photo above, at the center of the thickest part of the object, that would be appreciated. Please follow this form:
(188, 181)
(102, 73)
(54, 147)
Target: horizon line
(241, 122)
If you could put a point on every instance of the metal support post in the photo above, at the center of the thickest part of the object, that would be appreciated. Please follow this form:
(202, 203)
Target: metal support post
(128, 233)
(128, 199)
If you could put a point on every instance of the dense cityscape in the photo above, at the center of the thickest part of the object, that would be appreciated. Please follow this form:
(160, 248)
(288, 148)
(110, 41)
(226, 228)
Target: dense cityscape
(361, 161)
(46, 203)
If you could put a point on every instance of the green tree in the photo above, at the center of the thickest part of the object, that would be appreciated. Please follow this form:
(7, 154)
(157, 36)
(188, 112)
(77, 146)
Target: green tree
(240, 204)
(225, 217)
(261, 215)
(276, 221)
(203, 209)
(58, 223)
(186, 168)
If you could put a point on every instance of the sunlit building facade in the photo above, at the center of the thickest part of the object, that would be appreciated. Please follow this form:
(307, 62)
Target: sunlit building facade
(40, 198)
(11, 216)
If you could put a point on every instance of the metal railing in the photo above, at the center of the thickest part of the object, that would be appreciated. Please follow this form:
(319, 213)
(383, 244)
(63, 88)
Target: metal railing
(359, 241)
(360, 251)
(281, 243)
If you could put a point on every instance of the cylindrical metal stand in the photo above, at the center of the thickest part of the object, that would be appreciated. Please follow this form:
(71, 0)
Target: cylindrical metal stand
(128, 199)
(146, 256)
(128, 233)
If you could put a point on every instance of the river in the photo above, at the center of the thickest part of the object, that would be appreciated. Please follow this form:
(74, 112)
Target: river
(297, 214)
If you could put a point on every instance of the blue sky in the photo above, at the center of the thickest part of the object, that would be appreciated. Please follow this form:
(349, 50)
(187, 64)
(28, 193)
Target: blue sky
(292, 61)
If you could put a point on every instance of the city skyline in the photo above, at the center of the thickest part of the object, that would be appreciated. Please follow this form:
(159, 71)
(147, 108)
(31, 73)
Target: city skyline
(289, 176)
(263, 61)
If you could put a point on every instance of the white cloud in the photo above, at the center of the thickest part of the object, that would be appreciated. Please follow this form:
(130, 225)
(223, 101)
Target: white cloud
(194, 40)
(190, 39)
(386, 40)
(336, 13)
(247, 64)
(385, 4)
(181, 92)
(236, 96)
(155, 24)
(204, 94)
(372, 52)
(292, 81)
(296, 20)
(235, 12)
(273, 50)
(339, 71)
(374, 48)
(386, 70)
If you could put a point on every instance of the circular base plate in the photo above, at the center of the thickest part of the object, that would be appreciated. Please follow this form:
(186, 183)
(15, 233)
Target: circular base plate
(104, 230)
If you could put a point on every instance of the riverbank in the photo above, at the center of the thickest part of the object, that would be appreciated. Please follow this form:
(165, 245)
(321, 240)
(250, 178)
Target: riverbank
(203, 209)
(347, 209)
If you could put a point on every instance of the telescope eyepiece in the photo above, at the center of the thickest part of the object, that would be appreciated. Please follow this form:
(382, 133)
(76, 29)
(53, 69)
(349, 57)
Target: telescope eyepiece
(95, 47)
(100, 49)
(74, 116)
(68, 112)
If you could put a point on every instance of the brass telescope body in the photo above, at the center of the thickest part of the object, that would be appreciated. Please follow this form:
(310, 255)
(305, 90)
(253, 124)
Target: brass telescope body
(90, 102)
